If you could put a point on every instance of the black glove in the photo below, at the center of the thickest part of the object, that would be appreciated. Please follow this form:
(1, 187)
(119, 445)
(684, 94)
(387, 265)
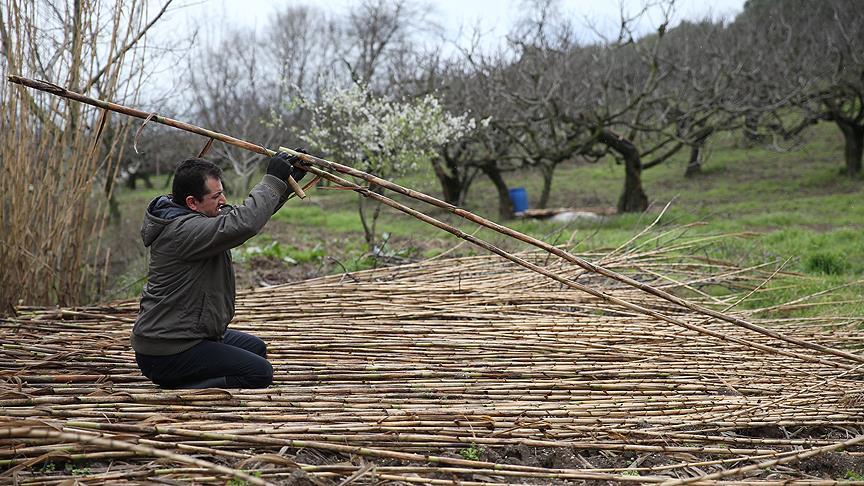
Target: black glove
(298, 173)
(281, 165)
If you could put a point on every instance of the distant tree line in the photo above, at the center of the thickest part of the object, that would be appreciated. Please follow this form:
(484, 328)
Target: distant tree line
(778, 68)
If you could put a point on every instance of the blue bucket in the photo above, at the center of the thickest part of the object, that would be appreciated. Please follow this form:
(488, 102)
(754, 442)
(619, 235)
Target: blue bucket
(519, 199)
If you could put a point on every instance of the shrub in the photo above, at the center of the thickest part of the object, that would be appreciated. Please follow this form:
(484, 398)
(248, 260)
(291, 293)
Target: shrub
(825, 263)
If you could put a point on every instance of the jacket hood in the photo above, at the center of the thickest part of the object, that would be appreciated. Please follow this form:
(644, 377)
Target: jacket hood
(160, 212)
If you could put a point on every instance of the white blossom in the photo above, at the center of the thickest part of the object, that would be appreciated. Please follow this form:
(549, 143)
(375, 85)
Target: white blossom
(381, 136)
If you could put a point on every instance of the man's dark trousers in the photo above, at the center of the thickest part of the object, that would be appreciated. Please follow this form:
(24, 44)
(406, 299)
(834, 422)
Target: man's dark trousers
(239, 361)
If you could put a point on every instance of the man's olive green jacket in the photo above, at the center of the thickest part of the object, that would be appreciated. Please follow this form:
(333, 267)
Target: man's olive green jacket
(190, 291)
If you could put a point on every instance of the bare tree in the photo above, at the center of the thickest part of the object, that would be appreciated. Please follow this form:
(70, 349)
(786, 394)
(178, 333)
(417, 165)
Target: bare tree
(552, 100)
(461, 85)
(234, 91)
(539, 83)
(639, 100)
(585, 101)
(706, 91)
(488, 150)
(510, 89)
(377, 35)
(611, 105)
(306, 46)
(664, 92)
(155, 151)
(808, 56)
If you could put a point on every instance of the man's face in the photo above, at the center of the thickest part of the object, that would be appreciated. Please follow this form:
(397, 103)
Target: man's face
(211, 202)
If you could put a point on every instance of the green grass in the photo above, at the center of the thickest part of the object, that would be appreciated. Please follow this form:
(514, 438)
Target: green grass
(854, 476)
(796, 207)
(302, 215)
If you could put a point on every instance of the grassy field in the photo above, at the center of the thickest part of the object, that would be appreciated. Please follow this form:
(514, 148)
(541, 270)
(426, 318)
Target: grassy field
(794, 207)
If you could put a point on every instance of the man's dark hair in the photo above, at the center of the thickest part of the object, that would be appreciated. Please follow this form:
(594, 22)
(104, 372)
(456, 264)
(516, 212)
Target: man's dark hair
(190, 178)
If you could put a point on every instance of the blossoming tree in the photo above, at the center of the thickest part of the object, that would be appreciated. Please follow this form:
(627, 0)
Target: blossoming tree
(381, 136)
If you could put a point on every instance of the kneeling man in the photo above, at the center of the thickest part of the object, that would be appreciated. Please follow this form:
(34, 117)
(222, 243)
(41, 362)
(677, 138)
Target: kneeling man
(181, 337)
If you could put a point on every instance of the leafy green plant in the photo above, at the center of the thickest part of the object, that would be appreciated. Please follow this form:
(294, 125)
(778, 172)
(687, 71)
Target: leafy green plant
(273, 250)
(316, 253)
(471, 453)
(362, 262)
(279, 251)
(77, 470)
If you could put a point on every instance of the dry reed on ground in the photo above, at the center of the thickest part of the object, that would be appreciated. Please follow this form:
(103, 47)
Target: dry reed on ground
(471, 370)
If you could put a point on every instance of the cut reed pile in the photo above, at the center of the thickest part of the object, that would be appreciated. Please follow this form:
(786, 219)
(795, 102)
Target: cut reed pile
(470, 370)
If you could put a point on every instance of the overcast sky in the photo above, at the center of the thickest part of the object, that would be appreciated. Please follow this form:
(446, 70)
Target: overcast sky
(493, 16)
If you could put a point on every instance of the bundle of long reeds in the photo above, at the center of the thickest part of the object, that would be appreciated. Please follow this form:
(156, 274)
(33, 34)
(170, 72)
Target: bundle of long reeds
(473, 370)
(58, 160)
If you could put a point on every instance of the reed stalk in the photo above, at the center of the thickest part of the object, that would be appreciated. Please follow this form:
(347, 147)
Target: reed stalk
(138, 449)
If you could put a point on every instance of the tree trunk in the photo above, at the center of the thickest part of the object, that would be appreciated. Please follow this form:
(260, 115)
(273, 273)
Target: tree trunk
(450, 184)
(548, 170)
(467, 179)
(505, 207)
(368, 226)
(751, 129)
(132, 181)
(853, 135)
(370, 221)
(633, 199)
(694, 166)
(454, 182)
